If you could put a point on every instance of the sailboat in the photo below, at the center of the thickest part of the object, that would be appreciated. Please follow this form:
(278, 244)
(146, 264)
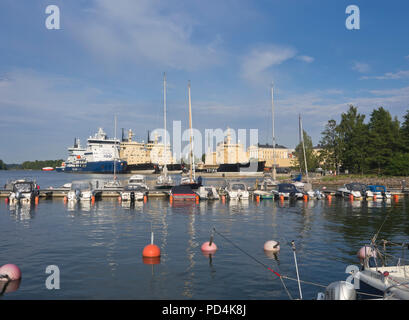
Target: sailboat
(306, 187)
(191, 179)
(164, 181)
(114, 183)
(269, 181)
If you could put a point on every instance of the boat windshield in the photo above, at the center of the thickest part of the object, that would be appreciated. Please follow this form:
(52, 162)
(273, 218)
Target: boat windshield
(133, 188)
(286, 188)
(23, 187)
(80, 186)
(377, 188)
(238, 186)
(356, 187)
(136, 181)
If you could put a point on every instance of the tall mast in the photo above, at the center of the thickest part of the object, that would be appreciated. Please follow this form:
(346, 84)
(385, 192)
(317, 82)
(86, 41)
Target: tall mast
(115, 150)
(303, 147)
(165, 170)
(190, 127)
(274, 138)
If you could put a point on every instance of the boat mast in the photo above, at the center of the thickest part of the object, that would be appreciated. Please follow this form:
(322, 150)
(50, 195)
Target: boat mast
(115, 149)
(165, 169)
(274, 138)
(190, 127)
(303, 147)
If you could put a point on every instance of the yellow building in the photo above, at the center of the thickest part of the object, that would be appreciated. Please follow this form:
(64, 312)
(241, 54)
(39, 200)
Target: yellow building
(227, 153)
(134, 152)
(283, 155)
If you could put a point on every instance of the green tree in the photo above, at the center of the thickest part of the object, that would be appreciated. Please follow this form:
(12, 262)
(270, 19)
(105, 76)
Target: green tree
(38, 165)
(312, 158)
(3, 166)
(383, 139)
(404, 132)
(398, 165)
(353, 133)
(330, 144)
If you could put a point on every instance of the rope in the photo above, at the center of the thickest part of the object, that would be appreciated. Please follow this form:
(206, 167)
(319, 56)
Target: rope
(258, 261)
(379, 230)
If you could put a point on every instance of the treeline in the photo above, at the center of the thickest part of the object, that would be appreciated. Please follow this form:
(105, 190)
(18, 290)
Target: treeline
(39, 164)
(31, 165)
(380, 146)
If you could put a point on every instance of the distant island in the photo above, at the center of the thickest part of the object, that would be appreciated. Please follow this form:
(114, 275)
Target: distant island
(31, 165)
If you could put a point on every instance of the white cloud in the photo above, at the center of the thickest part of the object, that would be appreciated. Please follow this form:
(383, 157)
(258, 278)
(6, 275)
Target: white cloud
(256, 64)
(144, 32)
(389, 76)
(306, 59)
(361, 67)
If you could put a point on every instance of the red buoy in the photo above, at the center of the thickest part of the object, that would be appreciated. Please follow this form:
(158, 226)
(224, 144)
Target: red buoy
(208, 247)
(10, 272)
(151, 251)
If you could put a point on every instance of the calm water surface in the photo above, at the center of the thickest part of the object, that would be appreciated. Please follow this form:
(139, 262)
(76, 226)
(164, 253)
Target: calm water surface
(98, 248)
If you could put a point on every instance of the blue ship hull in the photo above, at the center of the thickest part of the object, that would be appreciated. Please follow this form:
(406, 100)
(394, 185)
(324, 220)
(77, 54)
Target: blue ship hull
(94, 167)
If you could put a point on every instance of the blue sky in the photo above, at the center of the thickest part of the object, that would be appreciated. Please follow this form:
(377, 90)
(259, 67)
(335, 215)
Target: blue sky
(109, 57)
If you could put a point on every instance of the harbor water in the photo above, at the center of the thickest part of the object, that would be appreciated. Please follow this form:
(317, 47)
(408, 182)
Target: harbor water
(98, 248)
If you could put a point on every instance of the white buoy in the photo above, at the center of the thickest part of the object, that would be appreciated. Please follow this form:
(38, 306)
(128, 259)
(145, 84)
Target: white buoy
(272, 246)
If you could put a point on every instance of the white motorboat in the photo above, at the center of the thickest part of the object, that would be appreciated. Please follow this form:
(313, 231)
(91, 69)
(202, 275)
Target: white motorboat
(23, 191)
(237, 190)
(356, 190)
(133, 192)
(312, 194)
(138, 180)
(208, 193)
(268, 183)
(81, 191)
(380, 192)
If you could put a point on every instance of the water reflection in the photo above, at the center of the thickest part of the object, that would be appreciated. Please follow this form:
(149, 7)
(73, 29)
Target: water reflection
(23, 211)
(191, 250)
(9, 286)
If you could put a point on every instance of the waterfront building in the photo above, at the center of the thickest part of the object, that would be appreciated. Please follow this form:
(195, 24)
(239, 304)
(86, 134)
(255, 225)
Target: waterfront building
(284, 156)
(139, 153)
(228, 152)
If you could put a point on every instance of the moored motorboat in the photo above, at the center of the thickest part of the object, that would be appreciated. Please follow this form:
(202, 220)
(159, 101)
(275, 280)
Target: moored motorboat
(81, 191)
(133, 192)
(237, 190)
(138, 180)
(287, 191)
(379, 192)
(264, 194)
(23, 191)
(208, 193)
(183, 192)
(47, 169)
(355, 190)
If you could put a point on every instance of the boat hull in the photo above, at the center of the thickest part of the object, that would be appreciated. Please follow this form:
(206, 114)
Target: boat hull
(240, 167)
(95, 167)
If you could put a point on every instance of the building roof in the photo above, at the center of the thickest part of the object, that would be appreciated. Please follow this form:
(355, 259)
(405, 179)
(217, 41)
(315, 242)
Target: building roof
(271, 146)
